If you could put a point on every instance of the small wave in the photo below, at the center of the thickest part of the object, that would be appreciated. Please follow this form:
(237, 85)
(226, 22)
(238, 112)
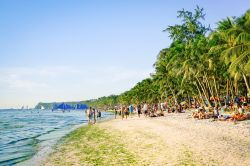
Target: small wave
(23, 134)
(11, 160)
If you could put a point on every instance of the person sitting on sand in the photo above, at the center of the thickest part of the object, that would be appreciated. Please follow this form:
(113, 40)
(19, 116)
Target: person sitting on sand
(239, 116)
(202, 114)
(195, 114)
(236, 101)
(241, 109)
(216, 112)
(224, 117)
(160, 113)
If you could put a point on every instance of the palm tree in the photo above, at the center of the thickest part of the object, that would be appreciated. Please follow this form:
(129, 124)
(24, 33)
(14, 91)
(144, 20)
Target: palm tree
(233, 44)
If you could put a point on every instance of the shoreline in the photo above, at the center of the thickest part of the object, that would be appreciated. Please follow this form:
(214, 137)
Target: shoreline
(49, 146)
(174, 139)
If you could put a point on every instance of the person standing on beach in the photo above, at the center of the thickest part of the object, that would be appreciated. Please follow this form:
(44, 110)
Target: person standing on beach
(116, 112)
(145, 109)
(88, 114)
(122, 111)
(139, 110)
(99, 114)
(126, 111)
(131, 109)
(94, 115)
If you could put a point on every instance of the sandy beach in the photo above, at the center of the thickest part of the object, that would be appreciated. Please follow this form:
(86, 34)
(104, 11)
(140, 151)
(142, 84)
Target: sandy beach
(175, 139)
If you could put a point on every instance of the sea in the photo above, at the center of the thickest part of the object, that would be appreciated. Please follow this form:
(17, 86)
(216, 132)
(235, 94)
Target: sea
(27, 136)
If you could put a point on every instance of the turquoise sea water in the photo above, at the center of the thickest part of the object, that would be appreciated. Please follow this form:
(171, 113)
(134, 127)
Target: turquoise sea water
(25, 133)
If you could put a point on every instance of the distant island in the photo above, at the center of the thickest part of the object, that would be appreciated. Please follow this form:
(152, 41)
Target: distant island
(102, 103)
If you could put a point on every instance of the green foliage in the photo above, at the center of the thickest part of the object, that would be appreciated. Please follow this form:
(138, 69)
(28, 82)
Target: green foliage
(196, 65)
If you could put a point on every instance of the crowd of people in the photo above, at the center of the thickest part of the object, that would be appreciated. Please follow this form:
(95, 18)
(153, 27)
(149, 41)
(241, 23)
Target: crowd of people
(222, 113)
(148, 110)
(92, 115)
(241, 111)
(236, 110)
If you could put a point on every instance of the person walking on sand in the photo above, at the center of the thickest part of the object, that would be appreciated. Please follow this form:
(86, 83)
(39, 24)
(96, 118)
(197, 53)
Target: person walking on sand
(99, 114)
(116, 112)
(131, 109)
(139, 110)
(145, 109)
(126, 111)
(94, 115)
(122, 111)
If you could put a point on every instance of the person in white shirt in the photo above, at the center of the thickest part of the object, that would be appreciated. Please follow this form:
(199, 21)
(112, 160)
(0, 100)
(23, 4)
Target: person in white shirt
(145, 109)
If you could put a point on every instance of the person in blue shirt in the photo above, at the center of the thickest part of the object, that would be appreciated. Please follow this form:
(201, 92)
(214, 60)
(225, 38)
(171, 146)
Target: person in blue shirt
(131, 109)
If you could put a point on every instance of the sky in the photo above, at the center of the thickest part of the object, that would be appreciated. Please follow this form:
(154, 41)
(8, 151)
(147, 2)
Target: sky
(74, 50)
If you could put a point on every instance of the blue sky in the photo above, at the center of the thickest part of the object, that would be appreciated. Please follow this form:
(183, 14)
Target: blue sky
(58, 50)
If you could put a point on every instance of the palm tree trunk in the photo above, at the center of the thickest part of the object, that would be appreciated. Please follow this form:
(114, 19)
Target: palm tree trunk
(236, 87)
(227, 87)
(200, 93)
(208, 85)
(173, 93)
(204, 91)
(211, 90)
(232, 91)
(245, 79)
(189, 102)
(216, 90)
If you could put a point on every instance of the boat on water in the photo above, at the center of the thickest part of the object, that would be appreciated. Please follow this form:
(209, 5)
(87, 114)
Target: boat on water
(67, 107)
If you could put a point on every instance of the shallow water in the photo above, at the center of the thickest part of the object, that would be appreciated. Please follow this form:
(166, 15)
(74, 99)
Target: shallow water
(26, 133)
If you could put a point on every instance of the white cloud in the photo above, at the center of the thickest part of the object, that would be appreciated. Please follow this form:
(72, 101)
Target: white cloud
(30, 78)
